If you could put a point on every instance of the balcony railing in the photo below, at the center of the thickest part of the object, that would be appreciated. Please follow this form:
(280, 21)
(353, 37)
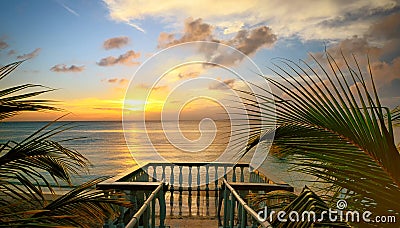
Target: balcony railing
(245, 215)
(183, 182)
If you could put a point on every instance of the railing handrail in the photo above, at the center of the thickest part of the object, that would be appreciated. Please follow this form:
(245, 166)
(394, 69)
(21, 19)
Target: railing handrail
(260, 186)
(122, 185)
(131, 172)
(143, 208)
(244, 205)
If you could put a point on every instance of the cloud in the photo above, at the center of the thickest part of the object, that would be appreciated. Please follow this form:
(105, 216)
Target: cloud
(381, 42)
(64, 68)
(11, 52)
(249, 41)
(124, 59)
(3, 44)
(246, 41)
(30, 55)
(194, 30)
(121, 81)
(391, 89)
(222, 85)
(116, 42)
(70, 10)
(191, 74)
(153, 88)
(112, 80)
(307, 19)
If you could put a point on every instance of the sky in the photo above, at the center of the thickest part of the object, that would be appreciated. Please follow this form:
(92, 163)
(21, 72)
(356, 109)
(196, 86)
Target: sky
(105, 58)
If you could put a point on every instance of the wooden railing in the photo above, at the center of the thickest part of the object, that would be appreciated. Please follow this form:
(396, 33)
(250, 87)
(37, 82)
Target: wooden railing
(143, 195)
(245, 215)
(188, 179)
(150, 205)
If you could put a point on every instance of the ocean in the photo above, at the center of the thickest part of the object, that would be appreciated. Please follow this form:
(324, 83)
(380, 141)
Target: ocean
(110, 152)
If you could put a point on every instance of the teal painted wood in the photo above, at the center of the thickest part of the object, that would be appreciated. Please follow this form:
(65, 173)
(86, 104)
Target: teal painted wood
(190, 177)
(153, 213)
(234, 174)
(172, 177)
(163, 173)
(216, 201)
(163, 208)
(147, 210)
(243, 217)
(232, 212)
(155, 173)
(241, 174)
(180, 177)
(226, 203)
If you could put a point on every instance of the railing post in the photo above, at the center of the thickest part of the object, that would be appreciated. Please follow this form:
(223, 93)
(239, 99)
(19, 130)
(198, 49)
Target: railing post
(216, 190)
(226, 199)
(198, 190)
(180, 190)
(146, 215)
(154, 173)
(153, 213)
(163, 209)
(225, 174)
(163, 173)
(172, 181)
(241, 174)
(207, 192)
(234, 174)
(242, 212)
(190, 191)
(232, 212)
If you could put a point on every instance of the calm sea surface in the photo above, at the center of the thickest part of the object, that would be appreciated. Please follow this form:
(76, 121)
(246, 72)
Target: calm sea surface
(104, 144)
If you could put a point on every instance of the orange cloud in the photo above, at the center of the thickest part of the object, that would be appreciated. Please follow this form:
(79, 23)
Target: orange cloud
(64, 68)
(116, 42)
(121, 81)
(124, 59)
(3, 44)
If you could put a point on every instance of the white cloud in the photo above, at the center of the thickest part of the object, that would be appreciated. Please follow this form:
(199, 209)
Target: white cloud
(308, 19)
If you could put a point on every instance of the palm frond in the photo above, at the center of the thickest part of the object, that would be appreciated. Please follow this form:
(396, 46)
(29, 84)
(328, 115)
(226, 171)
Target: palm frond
(16, 99)
(37, 161)
(84, 206)
(395, 115)
(7, 69)
(84, 201)
(331, 124)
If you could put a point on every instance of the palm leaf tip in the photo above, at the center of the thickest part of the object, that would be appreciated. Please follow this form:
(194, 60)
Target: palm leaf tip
(18, 99)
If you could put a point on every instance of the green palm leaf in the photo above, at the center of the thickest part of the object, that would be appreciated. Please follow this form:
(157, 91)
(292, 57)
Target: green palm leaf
(37, 161)
(15, 99)
(68, 210)
(332, 125)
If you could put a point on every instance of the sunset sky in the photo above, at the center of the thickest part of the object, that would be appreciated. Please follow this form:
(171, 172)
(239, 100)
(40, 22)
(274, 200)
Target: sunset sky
(90, 50)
